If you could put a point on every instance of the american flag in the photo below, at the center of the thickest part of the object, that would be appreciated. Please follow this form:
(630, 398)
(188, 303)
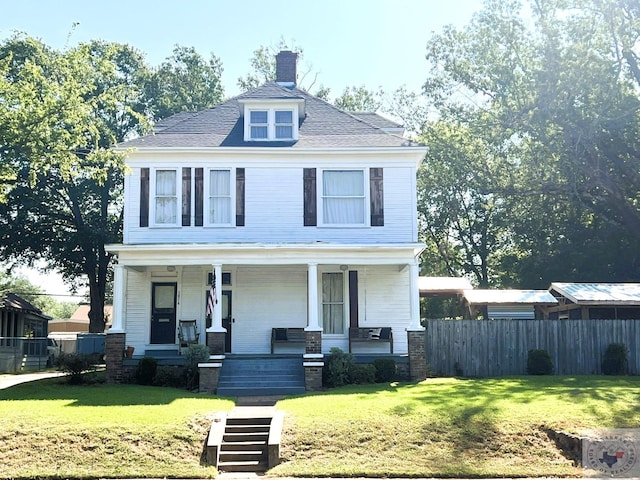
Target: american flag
(211, 299)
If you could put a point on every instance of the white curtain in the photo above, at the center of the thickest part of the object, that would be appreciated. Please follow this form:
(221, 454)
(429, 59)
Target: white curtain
(166, 197)
(284, 124)
(333, 303)
(343, 197)
(220, 197)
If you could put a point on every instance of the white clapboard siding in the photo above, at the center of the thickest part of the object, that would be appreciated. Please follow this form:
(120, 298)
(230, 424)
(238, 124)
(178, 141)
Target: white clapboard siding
(191, 298)
(274, 212)
(264, 298)
(137, 310)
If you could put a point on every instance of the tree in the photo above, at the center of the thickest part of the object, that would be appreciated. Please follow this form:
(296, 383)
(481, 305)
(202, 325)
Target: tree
(59, 113)
(565, 85)
(359, 99)
(263, 68)
(185, 81)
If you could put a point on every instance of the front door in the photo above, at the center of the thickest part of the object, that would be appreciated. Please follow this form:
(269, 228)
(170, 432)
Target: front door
(163, 313)
(227, 321)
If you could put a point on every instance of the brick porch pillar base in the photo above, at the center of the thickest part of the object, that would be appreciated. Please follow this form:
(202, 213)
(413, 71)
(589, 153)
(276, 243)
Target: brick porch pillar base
(209, 376)
(114, 352)
(417, 355)
(313, 361)
(215, 342)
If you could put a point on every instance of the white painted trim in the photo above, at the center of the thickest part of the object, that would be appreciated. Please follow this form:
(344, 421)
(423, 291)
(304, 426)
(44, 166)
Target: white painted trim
(313, 364)
(217, 357)
(210, 365)
(312, 356)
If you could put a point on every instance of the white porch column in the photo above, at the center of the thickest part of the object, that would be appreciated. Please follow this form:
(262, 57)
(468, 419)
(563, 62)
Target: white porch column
(312, 301)
(119, 282)
(216, 320)
(414, 298)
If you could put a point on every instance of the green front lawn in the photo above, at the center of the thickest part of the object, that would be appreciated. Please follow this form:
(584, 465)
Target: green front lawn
(440, 427)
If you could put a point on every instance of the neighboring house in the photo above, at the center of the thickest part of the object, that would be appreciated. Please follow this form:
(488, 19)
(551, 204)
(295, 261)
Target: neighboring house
(596, 301)
(79, 321)
(302, 215)
(23, 329)
(497, 304)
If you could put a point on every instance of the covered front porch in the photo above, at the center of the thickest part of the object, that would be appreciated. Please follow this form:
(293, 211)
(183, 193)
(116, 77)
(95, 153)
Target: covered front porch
(268, 300)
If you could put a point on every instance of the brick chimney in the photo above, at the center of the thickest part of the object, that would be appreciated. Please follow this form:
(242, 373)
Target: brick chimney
(286, 67)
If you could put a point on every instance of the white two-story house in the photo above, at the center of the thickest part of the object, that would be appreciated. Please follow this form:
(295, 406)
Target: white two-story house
(300, 214)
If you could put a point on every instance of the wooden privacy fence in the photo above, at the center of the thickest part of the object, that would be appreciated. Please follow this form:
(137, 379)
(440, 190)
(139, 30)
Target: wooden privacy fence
(492, 348)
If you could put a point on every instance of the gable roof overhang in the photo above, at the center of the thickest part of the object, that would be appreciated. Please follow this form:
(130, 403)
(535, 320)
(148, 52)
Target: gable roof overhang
(140, 256)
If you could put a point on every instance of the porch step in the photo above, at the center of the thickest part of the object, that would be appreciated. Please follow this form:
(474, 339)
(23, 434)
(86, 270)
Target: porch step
(261, 376)
(244, 445)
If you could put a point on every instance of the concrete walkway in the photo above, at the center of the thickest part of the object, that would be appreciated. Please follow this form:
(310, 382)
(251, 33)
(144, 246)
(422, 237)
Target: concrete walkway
(7, 381)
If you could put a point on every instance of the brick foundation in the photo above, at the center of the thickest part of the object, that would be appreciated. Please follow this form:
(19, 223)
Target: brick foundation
(313, 342)
(417, 355)
(114, 353)
(215, 342)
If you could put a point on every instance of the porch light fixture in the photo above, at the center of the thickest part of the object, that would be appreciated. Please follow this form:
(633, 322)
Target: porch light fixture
(171, 268)
(344, 268)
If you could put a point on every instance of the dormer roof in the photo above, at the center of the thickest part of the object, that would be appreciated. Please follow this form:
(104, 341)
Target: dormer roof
(321, 125)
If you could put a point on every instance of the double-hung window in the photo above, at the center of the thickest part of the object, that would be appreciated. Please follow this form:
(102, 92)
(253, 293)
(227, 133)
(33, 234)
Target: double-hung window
(344, 200)
(271, 122)
(333, 318)
(166, 198)
(284, 124)
(259, 124)
(220, 198)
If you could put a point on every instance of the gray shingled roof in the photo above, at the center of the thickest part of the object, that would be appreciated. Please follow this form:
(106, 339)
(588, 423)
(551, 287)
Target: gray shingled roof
(221, 126)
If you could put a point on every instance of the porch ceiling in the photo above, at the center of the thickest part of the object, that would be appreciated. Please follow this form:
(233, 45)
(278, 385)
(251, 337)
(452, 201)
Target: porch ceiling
(266, 254)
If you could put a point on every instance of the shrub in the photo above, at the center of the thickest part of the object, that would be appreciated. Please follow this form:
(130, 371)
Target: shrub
(336, 373)
(167, 376)
(539, 363)
(614, 361)
(360, 373)
(195, 354)
(76, 365)
(385, 369)
(146, 370)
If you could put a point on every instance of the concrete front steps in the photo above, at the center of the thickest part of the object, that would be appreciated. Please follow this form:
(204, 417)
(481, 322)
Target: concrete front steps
(247, 439)
(251, 376)
(244, 445)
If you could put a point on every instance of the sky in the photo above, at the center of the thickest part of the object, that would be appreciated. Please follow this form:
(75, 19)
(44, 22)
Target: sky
(375, 43)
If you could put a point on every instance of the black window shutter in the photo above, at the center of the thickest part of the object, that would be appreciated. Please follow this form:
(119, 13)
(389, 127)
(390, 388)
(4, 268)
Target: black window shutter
(186, 196)
(377, 197)
(199, 203)
(353, 299)
(310, 201)
(144, 197)
(239, 197)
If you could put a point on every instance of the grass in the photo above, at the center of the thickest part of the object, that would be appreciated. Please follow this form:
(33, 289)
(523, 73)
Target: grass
(451, 427)
(52, 430)
(439, 427)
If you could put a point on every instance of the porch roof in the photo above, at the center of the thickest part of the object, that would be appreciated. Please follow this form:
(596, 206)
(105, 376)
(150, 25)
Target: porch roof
(266, 253)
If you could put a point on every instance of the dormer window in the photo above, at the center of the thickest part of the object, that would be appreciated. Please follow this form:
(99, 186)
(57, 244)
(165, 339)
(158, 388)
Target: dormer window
(271, 124)
(284, 124)
(272, 120)
(259, 124)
